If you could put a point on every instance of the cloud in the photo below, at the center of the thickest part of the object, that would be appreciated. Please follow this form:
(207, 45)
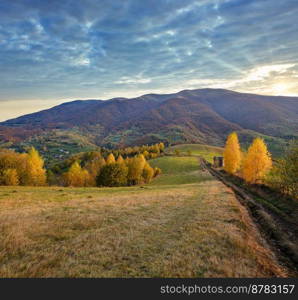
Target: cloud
(262, 72)
(133, 80)
(49, 48)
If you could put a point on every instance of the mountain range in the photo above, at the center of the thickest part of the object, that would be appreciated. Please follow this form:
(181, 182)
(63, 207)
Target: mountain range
(190, 116)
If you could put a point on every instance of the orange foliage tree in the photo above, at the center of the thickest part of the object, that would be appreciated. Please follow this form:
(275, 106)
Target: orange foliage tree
(35, 171)
(76, 176)
(232, 154)
(110, 159)
(10, 177)
(257, 162)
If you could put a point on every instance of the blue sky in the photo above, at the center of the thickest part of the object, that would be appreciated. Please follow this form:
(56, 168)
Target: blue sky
(56, 51)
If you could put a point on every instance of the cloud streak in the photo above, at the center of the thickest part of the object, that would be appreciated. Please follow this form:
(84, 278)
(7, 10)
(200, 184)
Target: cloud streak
(54, 50)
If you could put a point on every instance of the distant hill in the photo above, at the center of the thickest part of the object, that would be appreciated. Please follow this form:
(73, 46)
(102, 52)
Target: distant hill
(191, 116)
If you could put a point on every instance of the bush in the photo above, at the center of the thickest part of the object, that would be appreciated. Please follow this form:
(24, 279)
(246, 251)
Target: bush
(148, 173)
(113, 174)
(157, 171)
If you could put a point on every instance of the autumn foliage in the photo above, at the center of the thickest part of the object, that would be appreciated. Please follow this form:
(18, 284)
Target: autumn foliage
(232, 154)
(257, 162)
(81, 170)
(22, 168)
(253, 166)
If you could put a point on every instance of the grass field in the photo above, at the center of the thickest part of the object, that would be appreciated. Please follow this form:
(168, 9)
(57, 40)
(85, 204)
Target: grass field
(205, 151)
(184, 224)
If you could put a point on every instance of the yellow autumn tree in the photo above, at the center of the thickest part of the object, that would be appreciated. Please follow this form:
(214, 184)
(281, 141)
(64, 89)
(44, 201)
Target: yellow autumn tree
(257, 162)
(120, 159)
(76, 176)
(94, 167)
(110, 159)
(146, 154)
(232, 154)
(161, 147)
(135, 169)
(10, 177)
(148, 173)
(35, 171)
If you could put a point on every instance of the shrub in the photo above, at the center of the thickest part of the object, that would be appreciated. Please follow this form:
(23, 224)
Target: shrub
(113, 174)
(157, 171)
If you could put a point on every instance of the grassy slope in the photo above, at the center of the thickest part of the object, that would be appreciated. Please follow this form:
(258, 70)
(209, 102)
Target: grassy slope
(208, 152)
(166, 229)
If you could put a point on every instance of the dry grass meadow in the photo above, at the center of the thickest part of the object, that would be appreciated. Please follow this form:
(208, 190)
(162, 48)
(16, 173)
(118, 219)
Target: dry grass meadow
(174, 227)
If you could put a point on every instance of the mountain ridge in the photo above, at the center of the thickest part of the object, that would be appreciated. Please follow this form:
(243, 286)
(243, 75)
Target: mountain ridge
(191, 116)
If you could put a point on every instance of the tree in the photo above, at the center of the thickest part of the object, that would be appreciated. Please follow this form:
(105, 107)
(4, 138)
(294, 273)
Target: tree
(110, 159)
(36, 174)
(142, 158)
(12, 160)
(76, 176)
(284, 174)
(148, 173)
(135, 169)
(232, 154)
(51, 178)
(120, 159)
(10, 177)
(94, 167)
(161, 147)
(257, 162)
(146, 154)
(155, 148)
(113, 174)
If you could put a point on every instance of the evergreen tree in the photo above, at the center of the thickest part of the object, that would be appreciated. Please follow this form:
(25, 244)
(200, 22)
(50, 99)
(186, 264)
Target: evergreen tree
(257, 162)
(51, 178)
(232, 154)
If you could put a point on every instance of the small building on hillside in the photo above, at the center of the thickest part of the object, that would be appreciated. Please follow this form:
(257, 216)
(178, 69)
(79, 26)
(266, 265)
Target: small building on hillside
(218, 161)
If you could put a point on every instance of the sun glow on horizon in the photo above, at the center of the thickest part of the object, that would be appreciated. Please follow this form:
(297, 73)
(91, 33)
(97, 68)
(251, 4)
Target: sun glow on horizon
(280, 89)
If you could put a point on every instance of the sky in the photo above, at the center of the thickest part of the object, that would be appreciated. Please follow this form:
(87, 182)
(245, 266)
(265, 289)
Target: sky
(57, 51)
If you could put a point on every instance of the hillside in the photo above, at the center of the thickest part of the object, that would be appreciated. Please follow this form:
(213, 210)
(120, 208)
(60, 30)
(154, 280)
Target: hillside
(184, 224)
(190, 116)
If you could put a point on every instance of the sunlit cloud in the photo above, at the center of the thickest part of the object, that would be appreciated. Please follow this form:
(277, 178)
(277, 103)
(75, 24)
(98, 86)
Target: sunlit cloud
(54, 50)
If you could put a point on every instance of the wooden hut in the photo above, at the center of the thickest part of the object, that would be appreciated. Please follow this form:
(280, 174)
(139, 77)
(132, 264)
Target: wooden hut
(218, 161)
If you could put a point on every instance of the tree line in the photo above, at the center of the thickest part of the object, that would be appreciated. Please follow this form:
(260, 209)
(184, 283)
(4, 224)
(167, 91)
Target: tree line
(255, 165)
(84, 169)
